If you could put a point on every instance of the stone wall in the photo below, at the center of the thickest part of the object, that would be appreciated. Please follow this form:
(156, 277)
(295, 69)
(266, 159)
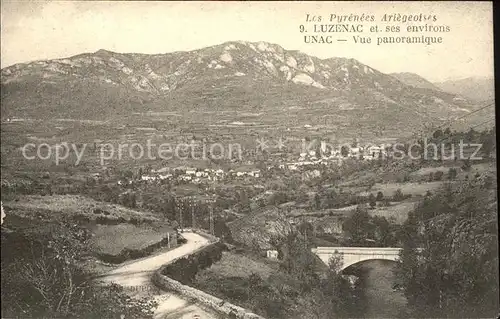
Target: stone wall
(219, 305)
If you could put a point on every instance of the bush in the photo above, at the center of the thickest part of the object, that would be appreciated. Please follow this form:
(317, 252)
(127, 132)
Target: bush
(380, 196)
(42, 278)
(372, 201)
(438, 175)
(398, 195)
(185, 269)
(386, 202)
(452, 173)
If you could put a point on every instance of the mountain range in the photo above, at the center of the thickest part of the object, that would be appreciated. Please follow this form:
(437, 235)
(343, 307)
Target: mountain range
(415, 80)
(236, 75)
(477, 89)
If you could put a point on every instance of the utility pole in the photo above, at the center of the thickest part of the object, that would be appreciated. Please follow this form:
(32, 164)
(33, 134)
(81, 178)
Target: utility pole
(193, 224)
(181, 222)
(305, 241)
(211, 200)
(211, 219)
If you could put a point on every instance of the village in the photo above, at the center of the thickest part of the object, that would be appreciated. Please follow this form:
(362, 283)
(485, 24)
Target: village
(306, 161)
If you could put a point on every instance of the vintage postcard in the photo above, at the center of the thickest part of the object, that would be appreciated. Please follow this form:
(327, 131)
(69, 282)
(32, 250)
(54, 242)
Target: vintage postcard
(225, 159)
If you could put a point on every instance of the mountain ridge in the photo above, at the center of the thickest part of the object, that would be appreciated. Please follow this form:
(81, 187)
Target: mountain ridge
(478, 89)
(415, 80)
(234, 74)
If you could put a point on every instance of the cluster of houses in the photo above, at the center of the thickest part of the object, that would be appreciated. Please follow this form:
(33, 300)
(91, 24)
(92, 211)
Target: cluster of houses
(197, 175)
(326, 156)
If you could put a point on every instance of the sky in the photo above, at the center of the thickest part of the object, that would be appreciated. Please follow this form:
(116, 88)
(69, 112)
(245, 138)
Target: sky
(36, 30)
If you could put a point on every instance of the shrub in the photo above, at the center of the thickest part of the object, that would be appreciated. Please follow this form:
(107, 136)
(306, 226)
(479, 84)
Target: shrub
(452, 173)
(438, 175)
(372, 201)
(380, 196)
(42, 278)
(398, 195)
(185, 269)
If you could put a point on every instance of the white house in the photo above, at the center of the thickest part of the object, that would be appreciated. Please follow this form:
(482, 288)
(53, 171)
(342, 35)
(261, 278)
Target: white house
(355, 152)
(272, 254)
(254, 173)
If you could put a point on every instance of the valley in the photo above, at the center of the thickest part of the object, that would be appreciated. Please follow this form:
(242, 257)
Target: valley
(110, 161)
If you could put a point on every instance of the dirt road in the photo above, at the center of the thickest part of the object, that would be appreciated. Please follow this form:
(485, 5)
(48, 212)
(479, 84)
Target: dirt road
(136, 278)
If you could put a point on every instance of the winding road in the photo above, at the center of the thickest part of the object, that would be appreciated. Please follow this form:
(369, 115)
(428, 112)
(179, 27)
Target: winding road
(135, 277)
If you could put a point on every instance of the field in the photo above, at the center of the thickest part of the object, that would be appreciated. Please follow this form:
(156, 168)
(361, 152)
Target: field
(113, 239)
(117, 232)
(237, 265)
(60, 206)
(425, 171)
(398, 212)
(415, 189)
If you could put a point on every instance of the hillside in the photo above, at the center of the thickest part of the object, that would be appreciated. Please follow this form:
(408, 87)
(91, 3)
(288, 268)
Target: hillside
(474, 88)
(458, 227)
(234, 75)
(116, 231)
(414, 80)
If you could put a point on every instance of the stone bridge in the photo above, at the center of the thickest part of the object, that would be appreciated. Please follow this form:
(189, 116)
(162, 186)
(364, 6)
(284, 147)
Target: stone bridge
(353, 255)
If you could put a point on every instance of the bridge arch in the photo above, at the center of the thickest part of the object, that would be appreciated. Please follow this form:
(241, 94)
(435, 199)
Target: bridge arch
(354, 255)
(347, 267)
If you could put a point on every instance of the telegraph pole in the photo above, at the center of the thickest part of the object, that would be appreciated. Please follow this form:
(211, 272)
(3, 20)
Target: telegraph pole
(193, 224)
(211, 219)
(181, 222)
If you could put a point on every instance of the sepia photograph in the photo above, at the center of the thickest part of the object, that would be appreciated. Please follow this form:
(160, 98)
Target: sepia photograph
(248, 159)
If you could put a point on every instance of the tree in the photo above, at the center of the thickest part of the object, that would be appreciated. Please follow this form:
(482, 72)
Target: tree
(339, 298)
(344, 151)
(317, 201)
(398, 195)
(380, 196)
(487, 144)
(254, 282)
(372, 200)
(452, 173)
(306, 229)
(221, 230)
(383, 234)
(437, 134)
(358, 226)
(331, 199)
(298, 260)
(431, 177)
(455, 274)
(42, 277)
(466, 165)
(470, 135)
(244, 202)
(438, 175)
